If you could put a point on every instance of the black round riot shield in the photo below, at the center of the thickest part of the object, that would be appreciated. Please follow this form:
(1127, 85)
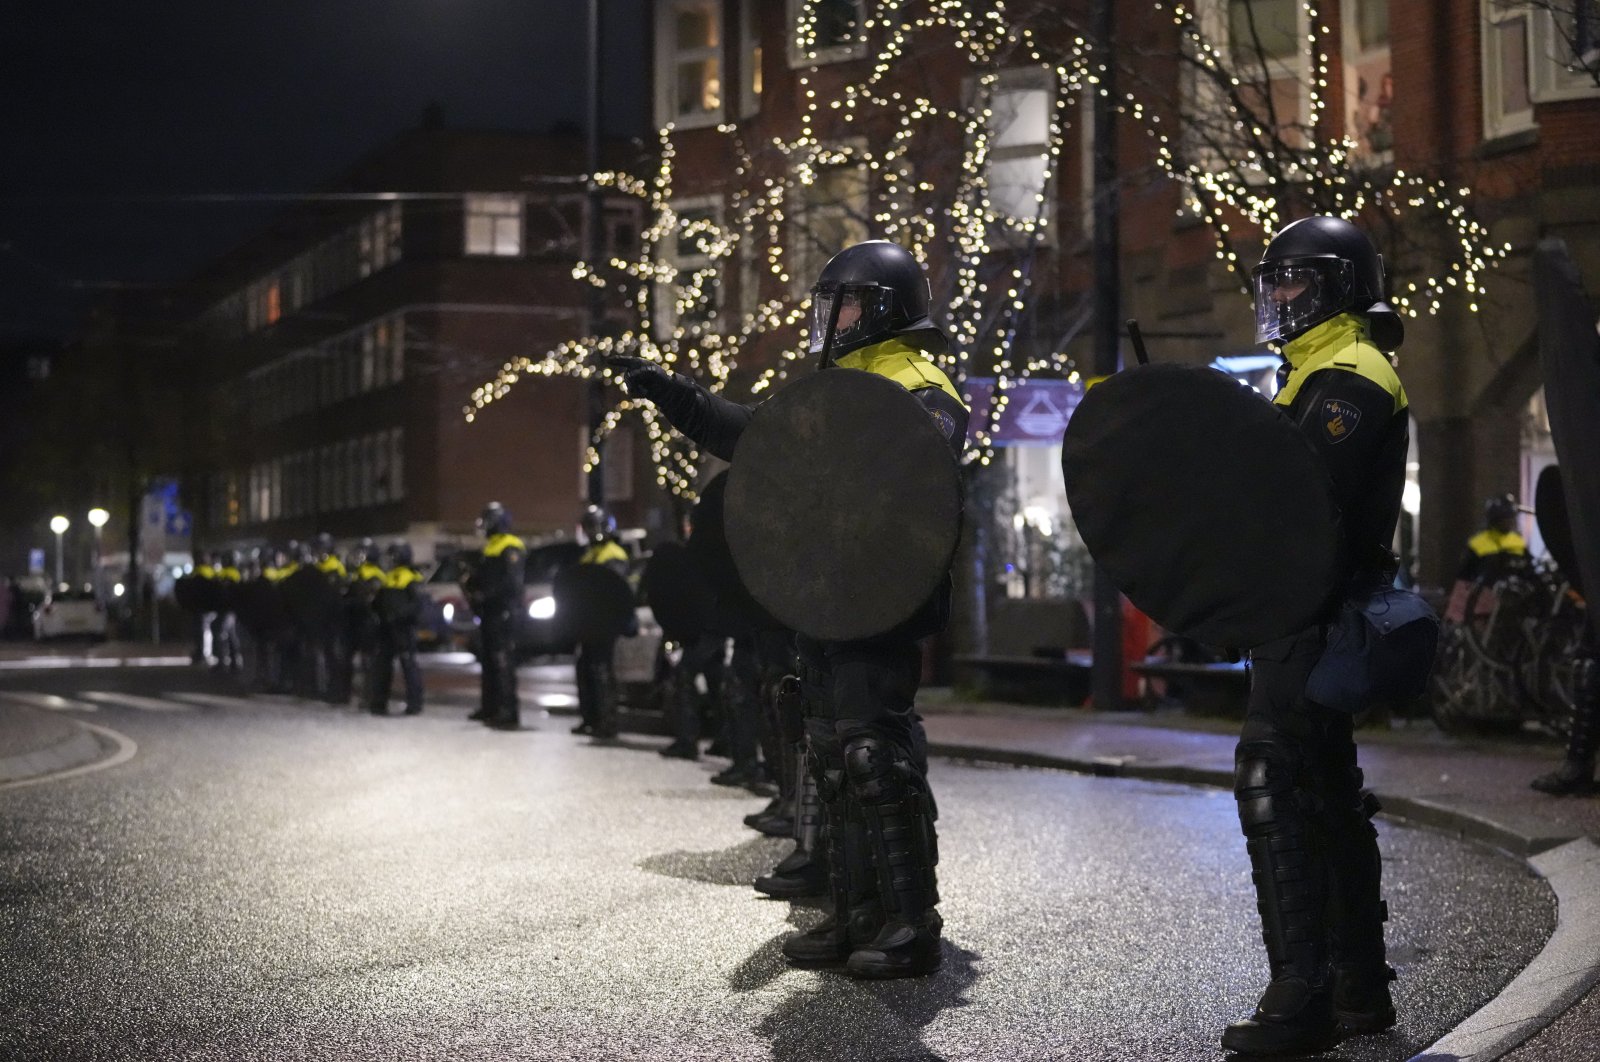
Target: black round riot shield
(1555, 525)
(314, 603)
(1203, 503)
(196, 594)
(679, 594)
(593, 603)
(843, 505)
(734, 611)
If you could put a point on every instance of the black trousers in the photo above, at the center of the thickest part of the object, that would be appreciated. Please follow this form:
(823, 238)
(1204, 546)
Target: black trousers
(597, 694)
(862, 688)
(394, 644)
(701, 657)
(1298, 779)
(497, 634)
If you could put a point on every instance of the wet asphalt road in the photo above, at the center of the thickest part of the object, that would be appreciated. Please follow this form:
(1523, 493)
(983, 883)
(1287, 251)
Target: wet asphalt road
(283, 880)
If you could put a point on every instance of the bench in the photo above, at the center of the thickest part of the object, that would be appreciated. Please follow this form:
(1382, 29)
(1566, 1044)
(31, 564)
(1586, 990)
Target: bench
(1052, 679)
(1206, 689)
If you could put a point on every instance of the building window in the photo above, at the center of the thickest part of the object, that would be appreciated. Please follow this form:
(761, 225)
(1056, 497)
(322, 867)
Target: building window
(832, 214)
(378, 240)
(1267, 50)
(695, 295)
(750, 58)
(397, 348)
(1566, 50)
(397, 464)
(1018, 165)
(826, 31)
(494, 225)
(688, 62)
(1507, 91)
(1368, 81)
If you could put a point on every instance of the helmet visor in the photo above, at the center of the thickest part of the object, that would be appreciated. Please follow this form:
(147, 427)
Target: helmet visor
(863, 312)
(1295, 293)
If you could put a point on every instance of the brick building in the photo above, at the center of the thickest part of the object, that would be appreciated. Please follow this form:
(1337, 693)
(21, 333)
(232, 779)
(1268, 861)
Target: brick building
(344, 342)
(1501, 99)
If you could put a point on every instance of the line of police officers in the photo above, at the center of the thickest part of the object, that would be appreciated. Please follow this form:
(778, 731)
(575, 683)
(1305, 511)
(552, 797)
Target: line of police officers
(307, 616)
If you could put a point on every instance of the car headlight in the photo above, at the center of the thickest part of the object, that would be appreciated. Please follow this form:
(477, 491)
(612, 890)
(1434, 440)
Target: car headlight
(542, 608)
(449, 612)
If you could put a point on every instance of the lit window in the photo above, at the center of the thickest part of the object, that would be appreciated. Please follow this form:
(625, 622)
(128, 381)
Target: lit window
(750, 58)
(822, 31)
(494, 225)
(689, 62)
(1566, 50)
(1267, 65)
(1019, 145)
(1368, 81)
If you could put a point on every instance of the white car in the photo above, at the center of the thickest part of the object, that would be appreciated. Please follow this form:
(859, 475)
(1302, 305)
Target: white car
(70, 614)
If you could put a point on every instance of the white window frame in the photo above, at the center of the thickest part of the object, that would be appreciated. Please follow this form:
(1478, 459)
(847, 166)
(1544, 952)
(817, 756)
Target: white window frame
(834, 54)
(1496, 122)
(669, 57)
(664, 296)
(1029, 79)
(505, 213)
(1213, 18)
(1554, 72)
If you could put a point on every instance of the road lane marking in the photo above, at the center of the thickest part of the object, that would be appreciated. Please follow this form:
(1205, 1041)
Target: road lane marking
(131, 700)
(210, 700)
(48, 701)
(126, 747)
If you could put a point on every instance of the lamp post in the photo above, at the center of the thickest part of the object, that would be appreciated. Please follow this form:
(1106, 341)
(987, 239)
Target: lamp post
(98, 518)
(59, 525)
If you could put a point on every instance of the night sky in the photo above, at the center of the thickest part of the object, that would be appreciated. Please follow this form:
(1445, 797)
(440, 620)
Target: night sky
(113, 110)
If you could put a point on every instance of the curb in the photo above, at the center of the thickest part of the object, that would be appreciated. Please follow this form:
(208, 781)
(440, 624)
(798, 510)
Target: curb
(87, 746)
(1564, 971)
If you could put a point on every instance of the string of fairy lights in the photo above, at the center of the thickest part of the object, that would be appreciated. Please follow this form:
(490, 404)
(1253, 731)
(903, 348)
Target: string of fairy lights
(1240, 183)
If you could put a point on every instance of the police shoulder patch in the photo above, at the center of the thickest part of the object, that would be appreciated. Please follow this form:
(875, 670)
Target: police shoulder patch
(1339, 419)
(945, 422)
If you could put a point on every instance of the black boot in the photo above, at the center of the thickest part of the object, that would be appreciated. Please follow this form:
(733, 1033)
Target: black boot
(804, 872)
(1576, 775)
(679, 750)
(1295, 1015)
(857, 915)
(899, 814)
(1356, 915)
(1572, 778)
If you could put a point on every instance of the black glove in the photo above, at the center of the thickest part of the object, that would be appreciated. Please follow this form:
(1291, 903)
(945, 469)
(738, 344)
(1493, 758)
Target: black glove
(641, 378)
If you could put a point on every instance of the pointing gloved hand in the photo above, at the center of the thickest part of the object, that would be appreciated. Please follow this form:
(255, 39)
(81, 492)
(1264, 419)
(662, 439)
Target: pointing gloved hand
(640, 377)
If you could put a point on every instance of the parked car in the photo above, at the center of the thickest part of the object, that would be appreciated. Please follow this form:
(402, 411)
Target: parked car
(70, 613)
(452, 623)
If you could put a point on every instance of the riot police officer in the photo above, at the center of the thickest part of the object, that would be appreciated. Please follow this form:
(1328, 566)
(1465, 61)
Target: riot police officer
(366, 578)
(1313, 851)
(225, 625)
(870, 310)
(397, 604)
(204, 619)
(494, 590)
(323, 622)
(597, 684)
(1498, 547)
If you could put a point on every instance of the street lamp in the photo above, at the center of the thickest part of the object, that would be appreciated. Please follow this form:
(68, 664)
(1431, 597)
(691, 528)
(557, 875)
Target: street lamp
(97, 519)
(59, 525)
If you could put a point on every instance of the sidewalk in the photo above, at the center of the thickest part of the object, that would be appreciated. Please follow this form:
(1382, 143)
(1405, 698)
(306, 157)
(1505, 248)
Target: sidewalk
(27, 655)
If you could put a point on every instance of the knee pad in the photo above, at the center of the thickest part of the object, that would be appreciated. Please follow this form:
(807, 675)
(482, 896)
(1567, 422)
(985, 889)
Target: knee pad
(877, 771)
(1264, 786)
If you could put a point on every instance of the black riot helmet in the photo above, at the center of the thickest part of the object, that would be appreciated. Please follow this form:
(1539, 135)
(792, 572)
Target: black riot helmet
(495, 520)
(228, 558)
(1315, 269)
(1500, 512)
(398, 554)
(868, 293)
(364, 551)
(597, 525)
(324, 544)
